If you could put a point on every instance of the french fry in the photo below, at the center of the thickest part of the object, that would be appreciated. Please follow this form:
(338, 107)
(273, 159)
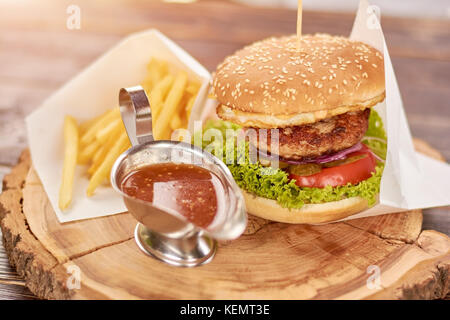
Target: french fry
(96, 161)
(87, 125)
(192, 88)
(83, 127)
(103, 134)
(147, 85)
(161, 128)
(87, 153)
(175, 123)
(70, 161)
(100, 156)
(90, 134)
(189, 106)
(159, 93)
(102, 172)
(157, 69)
(184, 119)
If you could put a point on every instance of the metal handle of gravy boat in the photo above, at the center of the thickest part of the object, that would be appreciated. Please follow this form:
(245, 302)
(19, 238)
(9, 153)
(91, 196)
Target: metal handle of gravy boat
(136, 115)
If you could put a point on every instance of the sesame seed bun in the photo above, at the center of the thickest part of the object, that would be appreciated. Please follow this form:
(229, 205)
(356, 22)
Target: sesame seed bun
(309, 213)
(272, 84)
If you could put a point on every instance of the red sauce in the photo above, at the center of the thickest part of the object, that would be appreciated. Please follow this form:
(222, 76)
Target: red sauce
(188, 189)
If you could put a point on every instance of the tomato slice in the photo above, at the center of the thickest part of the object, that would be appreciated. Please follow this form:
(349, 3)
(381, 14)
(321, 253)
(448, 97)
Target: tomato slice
(353, 172)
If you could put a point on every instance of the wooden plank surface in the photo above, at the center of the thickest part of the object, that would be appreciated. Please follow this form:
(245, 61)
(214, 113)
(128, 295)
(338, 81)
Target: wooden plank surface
(38, 54)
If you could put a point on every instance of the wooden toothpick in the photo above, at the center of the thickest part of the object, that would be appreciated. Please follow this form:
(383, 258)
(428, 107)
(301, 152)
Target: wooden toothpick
(299, 23)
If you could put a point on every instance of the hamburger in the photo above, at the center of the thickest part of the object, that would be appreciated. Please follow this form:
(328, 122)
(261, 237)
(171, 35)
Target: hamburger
(331, 143)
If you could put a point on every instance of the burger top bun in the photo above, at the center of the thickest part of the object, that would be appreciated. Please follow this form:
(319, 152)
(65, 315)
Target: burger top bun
(272, 84)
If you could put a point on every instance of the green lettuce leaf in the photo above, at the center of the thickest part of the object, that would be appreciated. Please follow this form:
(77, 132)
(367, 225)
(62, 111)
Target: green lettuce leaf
(375, 137)
(274, 183)
(376, 127)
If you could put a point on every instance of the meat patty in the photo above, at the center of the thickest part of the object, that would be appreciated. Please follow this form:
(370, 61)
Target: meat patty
(323, 137)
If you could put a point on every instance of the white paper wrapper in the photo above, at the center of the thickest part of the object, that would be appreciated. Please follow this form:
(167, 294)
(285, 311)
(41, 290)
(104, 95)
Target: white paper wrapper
(89, 94)
(409, 181)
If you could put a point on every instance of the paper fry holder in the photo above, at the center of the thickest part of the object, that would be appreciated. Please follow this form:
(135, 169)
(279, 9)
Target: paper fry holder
(162, 233)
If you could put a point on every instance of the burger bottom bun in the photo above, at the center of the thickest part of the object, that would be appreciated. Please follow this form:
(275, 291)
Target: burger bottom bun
(310, 213)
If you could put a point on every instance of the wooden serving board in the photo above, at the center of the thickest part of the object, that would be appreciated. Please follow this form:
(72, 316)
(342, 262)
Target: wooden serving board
(271, 261)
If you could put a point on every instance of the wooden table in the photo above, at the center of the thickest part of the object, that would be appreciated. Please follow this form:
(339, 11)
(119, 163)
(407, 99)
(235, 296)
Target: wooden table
(38, 54)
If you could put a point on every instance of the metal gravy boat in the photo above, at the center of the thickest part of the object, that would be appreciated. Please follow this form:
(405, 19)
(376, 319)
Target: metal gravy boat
(163, 233)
